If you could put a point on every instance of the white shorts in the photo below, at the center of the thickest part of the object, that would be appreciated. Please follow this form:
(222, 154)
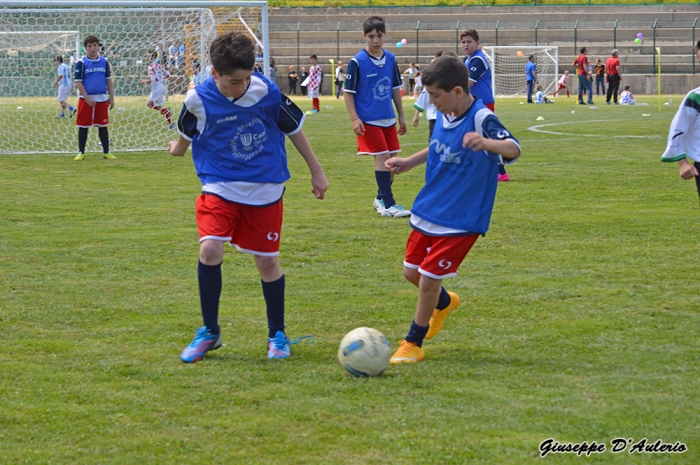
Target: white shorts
(157, 94)
(313, 93)
(63, 93)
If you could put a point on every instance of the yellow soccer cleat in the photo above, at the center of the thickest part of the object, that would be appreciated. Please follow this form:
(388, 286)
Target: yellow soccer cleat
(108, 156)
(79, 157)
(438, 318)
(408, 352)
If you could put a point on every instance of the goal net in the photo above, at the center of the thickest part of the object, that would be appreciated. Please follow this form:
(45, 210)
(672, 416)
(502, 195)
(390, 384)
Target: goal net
(32, 38)
(508, 69)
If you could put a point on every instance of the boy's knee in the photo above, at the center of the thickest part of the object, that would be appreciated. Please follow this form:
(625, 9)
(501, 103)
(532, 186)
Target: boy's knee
(268, 267)
(211, 252)
(428, 284)
(411, 274)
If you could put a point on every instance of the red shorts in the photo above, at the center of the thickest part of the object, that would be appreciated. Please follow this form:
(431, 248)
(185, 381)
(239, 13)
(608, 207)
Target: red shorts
(437, 257)
(378, 141)
(92, 116)
(254, 230)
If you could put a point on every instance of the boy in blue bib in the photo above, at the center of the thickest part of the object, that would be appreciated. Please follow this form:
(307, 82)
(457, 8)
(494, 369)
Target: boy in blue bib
(236, 121)
(454, 207)
(372, 83)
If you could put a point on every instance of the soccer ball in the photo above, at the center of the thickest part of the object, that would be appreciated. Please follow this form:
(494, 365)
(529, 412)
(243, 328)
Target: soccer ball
(520, 54)
(364, 352)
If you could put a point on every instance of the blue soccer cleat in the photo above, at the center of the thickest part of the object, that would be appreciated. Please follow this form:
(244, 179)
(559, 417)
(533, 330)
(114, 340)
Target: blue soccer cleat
(203, 342)
(280, 347)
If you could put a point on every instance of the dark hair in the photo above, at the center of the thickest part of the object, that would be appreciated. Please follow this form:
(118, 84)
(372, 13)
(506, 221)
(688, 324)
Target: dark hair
(230, 52)
(314, 57)
(698, 45)
(58, 59)
(531, 57)
(91, 40)
(152, 54)
(450, 53)
(470, 33)
(583, 49)
(627, 87)
(438, 54)
(446, 73)
(372, 23)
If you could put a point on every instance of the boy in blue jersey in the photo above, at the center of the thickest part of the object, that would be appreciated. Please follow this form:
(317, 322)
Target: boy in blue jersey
(237, 121)
(93, 79)
(480, 85)
(372, 82)
(454, 207)
(65, 86)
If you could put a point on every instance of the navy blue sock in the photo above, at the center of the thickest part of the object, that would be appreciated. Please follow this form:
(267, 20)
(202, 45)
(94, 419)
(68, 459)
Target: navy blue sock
(209, 294)
(384, 184)
(104, 139)
(501, 169)
(443, 300)
(274, 299)
(82, 139)
(417, 333)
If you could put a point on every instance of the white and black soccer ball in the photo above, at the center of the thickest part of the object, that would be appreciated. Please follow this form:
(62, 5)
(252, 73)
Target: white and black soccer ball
(364, 352)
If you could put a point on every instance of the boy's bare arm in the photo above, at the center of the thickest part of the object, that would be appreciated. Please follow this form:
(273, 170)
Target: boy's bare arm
(81, 89)
(358, 126)
(416, 118)
(319, 183)
(110, 89)
(396, 97)
(178, 148)
(505, 147)
(401, 165)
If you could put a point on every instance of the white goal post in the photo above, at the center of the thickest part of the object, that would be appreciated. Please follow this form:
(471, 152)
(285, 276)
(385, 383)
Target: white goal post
(508, 68)
(34, 33)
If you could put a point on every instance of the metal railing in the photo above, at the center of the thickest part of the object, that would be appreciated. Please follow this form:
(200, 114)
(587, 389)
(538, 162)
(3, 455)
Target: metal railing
(636, 40)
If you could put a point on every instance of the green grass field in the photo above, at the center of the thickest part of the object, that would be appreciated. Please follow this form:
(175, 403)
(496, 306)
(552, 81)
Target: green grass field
(579, 319)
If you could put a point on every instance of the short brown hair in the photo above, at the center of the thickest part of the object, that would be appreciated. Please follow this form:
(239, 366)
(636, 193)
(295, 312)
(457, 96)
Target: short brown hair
(446, 73)
(230, 52)
(372, 23)
(470, 33)
(92, 39)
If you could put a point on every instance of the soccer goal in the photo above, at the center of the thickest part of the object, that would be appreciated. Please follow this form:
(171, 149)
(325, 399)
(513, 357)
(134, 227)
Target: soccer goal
(508, 69)
(34, 33)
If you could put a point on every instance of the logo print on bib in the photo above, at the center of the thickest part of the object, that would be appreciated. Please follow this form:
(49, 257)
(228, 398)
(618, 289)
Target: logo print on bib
(382, 89)
(249, 140)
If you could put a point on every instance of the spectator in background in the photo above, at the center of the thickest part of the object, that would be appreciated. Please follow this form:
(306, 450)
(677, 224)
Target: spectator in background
(530, 76)
(626, 97)
(563, 83)
(173, 52)
(599, 77)
(302, 81)
(273, 70)
(292, 78)
(339, 79)
(259, 60)
(612, 65)
(411, 72)
(581, 63)
(181, 55)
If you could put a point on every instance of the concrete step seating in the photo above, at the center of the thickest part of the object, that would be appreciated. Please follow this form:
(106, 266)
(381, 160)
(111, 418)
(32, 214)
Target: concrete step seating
(516, 26)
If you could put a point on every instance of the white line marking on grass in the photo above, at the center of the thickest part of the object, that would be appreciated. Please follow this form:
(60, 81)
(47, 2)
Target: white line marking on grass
(537, 127)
